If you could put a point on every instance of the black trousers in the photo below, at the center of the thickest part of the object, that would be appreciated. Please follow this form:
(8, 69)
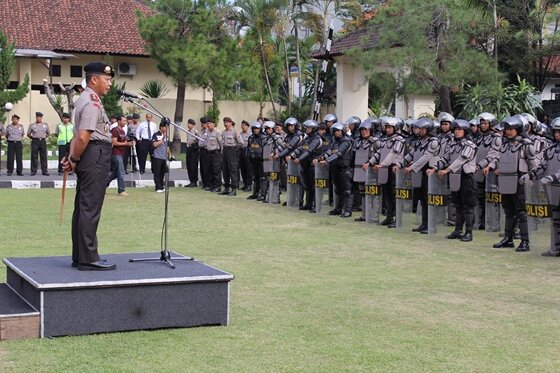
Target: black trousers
(388, 193)
(421, 195)
(283, 174)
(342, 182)
(63, 150)
(230, 166)
(38, 148)
(308, 181)
(92, 171)
(515, 211)
(465, 201)
(215, 168)
(481, 201)
(143, 149)
(192, 164)
(15, 150)
(258, 174)
(159, 167)
(204, 167)
(245, 168)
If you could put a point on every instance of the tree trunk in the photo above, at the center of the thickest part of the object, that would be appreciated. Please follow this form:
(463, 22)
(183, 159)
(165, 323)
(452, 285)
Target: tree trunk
(444, 99)
(265, 69)
(288, 78)
(178, 118)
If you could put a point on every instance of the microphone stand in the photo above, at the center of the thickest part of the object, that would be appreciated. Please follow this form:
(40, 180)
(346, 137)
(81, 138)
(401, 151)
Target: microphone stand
(165, 255)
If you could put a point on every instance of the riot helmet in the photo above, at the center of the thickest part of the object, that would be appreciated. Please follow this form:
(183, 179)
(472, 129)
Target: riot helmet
(407, 126)
(490, 118)
(337, 127)
(256, 125)
(445, 117)
(394, 122)
(516, 122)
(353, 120)
(269, 125)
(543, 130)
(425, 123)
(475, 122)
(330, 118)
(531, 119)
(310, 123)
(462, 124)
(291, 121)
(555, 126)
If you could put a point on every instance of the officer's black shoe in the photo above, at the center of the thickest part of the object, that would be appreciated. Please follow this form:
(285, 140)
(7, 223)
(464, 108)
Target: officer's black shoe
(284, 203)
(20, 173)
(46, 174)
(216, 190)
(253, 196)
(335, 212)
(312, 211)
(481, 227)
(548, 253)
(523, 246)
(305, 207)
(392, 225)
(387, 221)
(346, 214)
(233, 193)
(420, 228)
(360, 219)
(261, 198)
(505, 242)
(96, 266)
(454, 235)
(207, 189)
(33, 173)
(424, 231)
(225, 192)
(467, 237)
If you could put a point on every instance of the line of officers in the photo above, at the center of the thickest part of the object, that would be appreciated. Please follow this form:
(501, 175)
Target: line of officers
(483, 173)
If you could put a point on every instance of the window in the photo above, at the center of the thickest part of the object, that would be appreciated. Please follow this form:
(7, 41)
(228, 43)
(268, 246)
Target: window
(55, 70)
(76, 71)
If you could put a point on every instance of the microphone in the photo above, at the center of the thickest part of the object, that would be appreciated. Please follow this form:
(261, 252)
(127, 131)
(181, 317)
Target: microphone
(128, 94)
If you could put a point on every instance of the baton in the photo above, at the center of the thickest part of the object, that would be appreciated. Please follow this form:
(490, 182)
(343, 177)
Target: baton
(62, 196)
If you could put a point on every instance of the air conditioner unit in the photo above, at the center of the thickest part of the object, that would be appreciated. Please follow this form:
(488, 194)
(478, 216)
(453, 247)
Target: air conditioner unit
(125, 68)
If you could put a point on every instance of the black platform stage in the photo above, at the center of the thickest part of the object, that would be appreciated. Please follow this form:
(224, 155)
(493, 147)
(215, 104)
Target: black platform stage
(141, 295)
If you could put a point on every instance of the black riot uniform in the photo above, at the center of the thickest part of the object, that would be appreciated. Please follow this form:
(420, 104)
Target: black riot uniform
(353, 124)
(459, 161)
(488, 145)
(422, 156)
(361, 153)
(339, 157)
(549, 173)
(517, 158)
(304, 155)
(388, 152)
(254, 153)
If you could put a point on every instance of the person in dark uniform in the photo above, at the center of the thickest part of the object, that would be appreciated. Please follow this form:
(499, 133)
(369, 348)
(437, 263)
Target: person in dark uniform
(303, 156)
(90, 158)
(38, 132)
(281, 135)
(329, 120)
(231, 143)
(459, 161)
(244, 164)
(517, 158)
(192, 154)
(339, 158)
(255, 156)
(14, 136)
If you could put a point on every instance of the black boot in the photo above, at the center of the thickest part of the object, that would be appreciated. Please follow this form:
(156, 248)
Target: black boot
(225, 192)
(507, 241)
(523, 246)
(467, 237)
(388, 221)
(264, 189)
(335, 212)
(347, 207)
(233, 193)
(454, 235)
(420, 228)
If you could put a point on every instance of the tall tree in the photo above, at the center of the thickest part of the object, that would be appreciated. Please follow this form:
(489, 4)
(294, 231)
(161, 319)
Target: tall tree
(184, 37)
(7, 65)
(427, 43)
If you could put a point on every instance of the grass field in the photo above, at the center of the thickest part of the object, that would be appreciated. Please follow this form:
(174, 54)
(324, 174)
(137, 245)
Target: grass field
(312, 293)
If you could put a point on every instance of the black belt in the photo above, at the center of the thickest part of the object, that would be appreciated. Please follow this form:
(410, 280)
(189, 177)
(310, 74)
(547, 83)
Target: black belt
(101, 143)
(38, 139)
(214, 151)
(14, 140)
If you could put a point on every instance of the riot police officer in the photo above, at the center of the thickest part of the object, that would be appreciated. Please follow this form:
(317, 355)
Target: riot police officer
(352, 124)
(361, 154)
(423, 156)
(255, 156)
(388, 152)
(338, 156)
(460, 163)
(517, 157)
(329, 120)
(304, 155)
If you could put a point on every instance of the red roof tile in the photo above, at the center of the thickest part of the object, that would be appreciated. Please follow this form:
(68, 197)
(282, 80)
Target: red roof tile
(99, 26)
(364, 38)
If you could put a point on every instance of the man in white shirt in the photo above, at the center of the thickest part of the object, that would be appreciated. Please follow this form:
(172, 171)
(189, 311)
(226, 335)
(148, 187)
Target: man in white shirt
(144, 134)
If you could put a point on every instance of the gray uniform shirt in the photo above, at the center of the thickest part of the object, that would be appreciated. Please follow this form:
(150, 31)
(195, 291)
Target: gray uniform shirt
(38, 130)
(14, 133)
(231, 138)
(90, 115)
(214, 140)
(191, 140)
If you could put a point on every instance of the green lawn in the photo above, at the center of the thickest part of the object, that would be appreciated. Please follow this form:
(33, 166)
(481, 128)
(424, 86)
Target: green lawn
(311, 293)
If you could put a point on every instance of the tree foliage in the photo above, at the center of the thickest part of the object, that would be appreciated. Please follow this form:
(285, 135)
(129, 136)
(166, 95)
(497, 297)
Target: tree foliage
(7, 65)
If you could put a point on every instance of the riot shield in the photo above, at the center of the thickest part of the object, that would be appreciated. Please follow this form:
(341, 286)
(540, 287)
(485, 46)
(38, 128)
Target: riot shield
(372, 197)
(268, 150)
(494, 219)
(293, 186)
(274, 182)
(437, 202)
(403, 194)
(321, 186)
(538, 217)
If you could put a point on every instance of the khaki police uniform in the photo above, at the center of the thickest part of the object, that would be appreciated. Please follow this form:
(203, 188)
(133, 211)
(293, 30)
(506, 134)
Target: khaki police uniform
(231, 143)
(14, 136)
(214, 150)
(192, 157)
(92, 171)
(38, 132)
(245, 163)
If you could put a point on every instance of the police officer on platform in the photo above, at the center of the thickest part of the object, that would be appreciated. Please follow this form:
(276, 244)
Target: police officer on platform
(90, 158)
